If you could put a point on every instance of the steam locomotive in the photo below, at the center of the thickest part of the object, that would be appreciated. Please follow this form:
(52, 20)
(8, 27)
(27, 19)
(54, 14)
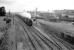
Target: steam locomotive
(26, 18)
(28, 21)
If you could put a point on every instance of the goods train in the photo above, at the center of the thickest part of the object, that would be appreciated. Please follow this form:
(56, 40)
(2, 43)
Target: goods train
(26, 17)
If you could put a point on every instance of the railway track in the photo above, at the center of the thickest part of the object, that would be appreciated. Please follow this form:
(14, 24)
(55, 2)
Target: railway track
(40, 42)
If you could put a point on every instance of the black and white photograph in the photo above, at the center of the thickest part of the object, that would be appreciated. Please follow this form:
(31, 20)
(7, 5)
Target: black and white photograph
(36, 24)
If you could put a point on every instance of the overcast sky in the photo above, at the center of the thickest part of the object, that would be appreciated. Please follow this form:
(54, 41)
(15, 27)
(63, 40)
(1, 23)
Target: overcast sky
(42, 5)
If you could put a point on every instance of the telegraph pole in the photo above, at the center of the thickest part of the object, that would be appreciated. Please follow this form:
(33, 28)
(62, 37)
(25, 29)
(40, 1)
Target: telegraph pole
(36, 11)
(13, 18)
